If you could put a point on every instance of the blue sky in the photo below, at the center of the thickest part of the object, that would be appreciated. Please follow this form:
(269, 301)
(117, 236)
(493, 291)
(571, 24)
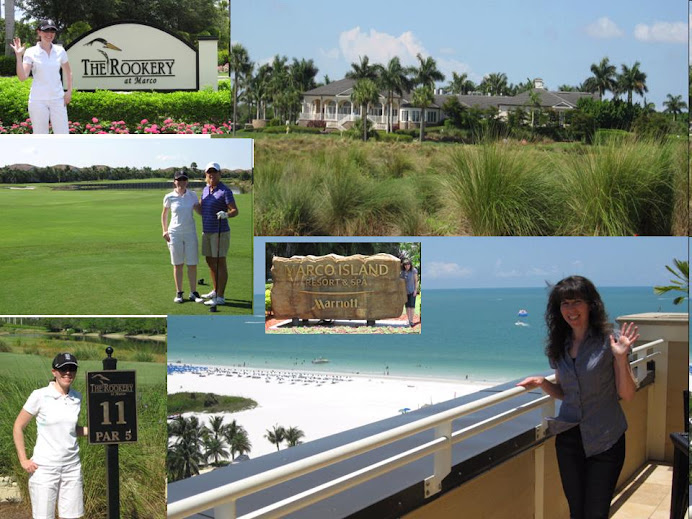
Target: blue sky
(121, 150)
(476, 262)
(555, 40)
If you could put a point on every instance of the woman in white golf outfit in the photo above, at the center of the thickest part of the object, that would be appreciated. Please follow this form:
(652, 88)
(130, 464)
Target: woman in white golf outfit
(47, 101)
(181, 235)
(56, 472)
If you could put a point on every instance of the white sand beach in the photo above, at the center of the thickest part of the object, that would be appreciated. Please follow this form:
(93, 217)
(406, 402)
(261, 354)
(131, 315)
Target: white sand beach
(318, 403)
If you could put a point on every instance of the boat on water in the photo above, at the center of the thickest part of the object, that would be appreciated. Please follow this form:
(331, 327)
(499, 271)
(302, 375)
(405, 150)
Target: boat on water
(521, 323)
(320, 360)
(522, 313)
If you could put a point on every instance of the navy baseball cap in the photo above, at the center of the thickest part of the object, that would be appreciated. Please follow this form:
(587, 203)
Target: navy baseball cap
(44, 25)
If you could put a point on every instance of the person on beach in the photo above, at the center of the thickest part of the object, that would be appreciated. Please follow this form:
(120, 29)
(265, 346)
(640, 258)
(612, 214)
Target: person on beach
(592, 372)
(216, 207)
(44, 61)
(181, 235)
(54, 468)
(410, 275)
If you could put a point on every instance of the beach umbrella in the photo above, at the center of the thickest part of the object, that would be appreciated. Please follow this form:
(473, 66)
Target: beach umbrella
(522, 313)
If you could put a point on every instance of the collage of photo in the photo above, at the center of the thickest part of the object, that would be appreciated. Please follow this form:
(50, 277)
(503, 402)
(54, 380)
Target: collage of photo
(217, 218)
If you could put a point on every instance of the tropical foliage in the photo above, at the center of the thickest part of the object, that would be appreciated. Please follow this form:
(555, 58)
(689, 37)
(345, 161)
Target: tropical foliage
(192, 445)
(680, 282)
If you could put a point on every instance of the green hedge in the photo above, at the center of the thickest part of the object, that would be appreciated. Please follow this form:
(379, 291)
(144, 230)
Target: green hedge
(611, 136)
(203, 106)
(292, 129)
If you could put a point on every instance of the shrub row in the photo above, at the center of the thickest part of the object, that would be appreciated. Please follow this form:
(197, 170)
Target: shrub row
(206, 106)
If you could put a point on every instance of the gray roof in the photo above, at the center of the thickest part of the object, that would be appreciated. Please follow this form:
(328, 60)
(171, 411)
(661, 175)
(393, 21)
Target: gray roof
(547, 98)
(342, 87)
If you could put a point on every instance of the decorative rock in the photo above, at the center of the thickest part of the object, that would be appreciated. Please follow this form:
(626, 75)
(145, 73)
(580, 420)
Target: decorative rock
(338, 287)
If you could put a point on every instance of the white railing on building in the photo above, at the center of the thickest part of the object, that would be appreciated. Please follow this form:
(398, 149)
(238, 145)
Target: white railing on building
(222, 499)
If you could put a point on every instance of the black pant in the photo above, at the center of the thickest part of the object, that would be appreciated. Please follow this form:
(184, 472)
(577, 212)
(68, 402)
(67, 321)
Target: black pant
(588, 483)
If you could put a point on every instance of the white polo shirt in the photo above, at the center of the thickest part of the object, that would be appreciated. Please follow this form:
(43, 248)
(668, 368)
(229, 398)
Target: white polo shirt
(56, 420)
(45, 68)
(181, 207)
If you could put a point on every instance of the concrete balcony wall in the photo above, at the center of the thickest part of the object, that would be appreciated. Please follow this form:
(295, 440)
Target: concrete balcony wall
(508, 490)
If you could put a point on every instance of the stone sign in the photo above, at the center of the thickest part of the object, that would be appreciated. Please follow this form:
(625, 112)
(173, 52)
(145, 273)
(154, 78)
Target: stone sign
(338, 287)
(135, 56)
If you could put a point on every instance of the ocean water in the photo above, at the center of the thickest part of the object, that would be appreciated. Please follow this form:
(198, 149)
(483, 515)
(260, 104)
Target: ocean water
(465, 333)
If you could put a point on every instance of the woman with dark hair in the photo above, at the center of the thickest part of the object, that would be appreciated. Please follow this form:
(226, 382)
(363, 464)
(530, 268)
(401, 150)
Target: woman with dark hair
(592, 372)
(54, 467)
(410, 275)
(44, 61)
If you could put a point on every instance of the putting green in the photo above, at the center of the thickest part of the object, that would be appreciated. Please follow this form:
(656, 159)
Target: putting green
(101, 253)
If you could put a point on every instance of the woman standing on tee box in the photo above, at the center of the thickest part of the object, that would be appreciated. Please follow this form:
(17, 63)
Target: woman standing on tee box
(181, 235)
(56, 472)
(592, 372)
(47, 101)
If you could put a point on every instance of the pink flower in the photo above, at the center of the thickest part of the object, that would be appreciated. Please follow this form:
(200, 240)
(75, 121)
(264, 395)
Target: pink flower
(144, 121)
(94, 120)
(92, 130)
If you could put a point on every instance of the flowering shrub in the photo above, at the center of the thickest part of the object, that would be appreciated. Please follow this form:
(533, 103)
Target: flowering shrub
(95, 126)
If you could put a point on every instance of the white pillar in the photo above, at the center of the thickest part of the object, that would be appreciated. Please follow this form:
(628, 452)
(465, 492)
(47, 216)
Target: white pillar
(207, 61)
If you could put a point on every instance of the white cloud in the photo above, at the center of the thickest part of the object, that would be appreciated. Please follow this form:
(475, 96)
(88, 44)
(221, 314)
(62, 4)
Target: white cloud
(508, 274)
(604, 28)
(447, 50)
(442, 270)
(330, 53)
(447, 66)
(665, 32)
(380, 47)
(167, 158)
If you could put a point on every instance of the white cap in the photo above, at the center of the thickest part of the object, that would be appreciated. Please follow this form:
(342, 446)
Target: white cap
(212, 165)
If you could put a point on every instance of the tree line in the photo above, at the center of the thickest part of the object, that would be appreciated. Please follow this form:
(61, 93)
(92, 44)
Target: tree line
(274, 90)
(192, 445)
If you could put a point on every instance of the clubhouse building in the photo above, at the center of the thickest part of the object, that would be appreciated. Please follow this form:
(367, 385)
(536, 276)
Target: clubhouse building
(332, 103)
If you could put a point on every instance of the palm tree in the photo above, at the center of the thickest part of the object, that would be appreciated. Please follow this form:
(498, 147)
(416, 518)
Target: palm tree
(259, 90)
(240, 65)
(9, 26)
(364, 92)
(214, 448)
(394, 80)
(674, 105)
(279, 82)
(303, 74)
(240, 443)
(494, 83)
(184, 455)
(460, 84)
(362, 70)
(681, 271)
(632, 79)
(427, 73)
(603, 78)
(237, 438)
(276, 435)
(422, 97)
(293, 435)
(535, 103)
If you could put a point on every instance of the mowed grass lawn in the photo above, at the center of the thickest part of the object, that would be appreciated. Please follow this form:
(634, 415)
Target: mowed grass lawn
(101, 252)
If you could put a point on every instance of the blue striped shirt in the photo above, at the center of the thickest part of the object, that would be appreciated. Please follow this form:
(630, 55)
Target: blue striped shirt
(211, 204)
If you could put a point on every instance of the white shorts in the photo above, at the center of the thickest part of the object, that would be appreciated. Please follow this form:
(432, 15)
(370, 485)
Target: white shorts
(54, 111)
(184, 248)
(62, 484)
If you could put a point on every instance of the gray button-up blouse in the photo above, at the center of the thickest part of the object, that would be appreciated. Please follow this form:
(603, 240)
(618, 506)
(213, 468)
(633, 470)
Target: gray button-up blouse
(590, 395)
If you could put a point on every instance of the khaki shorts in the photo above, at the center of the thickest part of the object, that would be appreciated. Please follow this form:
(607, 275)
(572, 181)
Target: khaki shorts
(210, 241)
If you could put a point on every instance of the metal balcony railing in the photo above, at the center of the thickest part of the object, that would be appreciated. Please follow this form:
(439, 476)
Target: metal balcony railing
(223, 498)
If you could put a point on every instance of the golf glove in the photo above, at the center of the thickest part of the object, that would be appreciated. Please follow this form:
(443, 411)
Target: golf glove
(222, 215)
